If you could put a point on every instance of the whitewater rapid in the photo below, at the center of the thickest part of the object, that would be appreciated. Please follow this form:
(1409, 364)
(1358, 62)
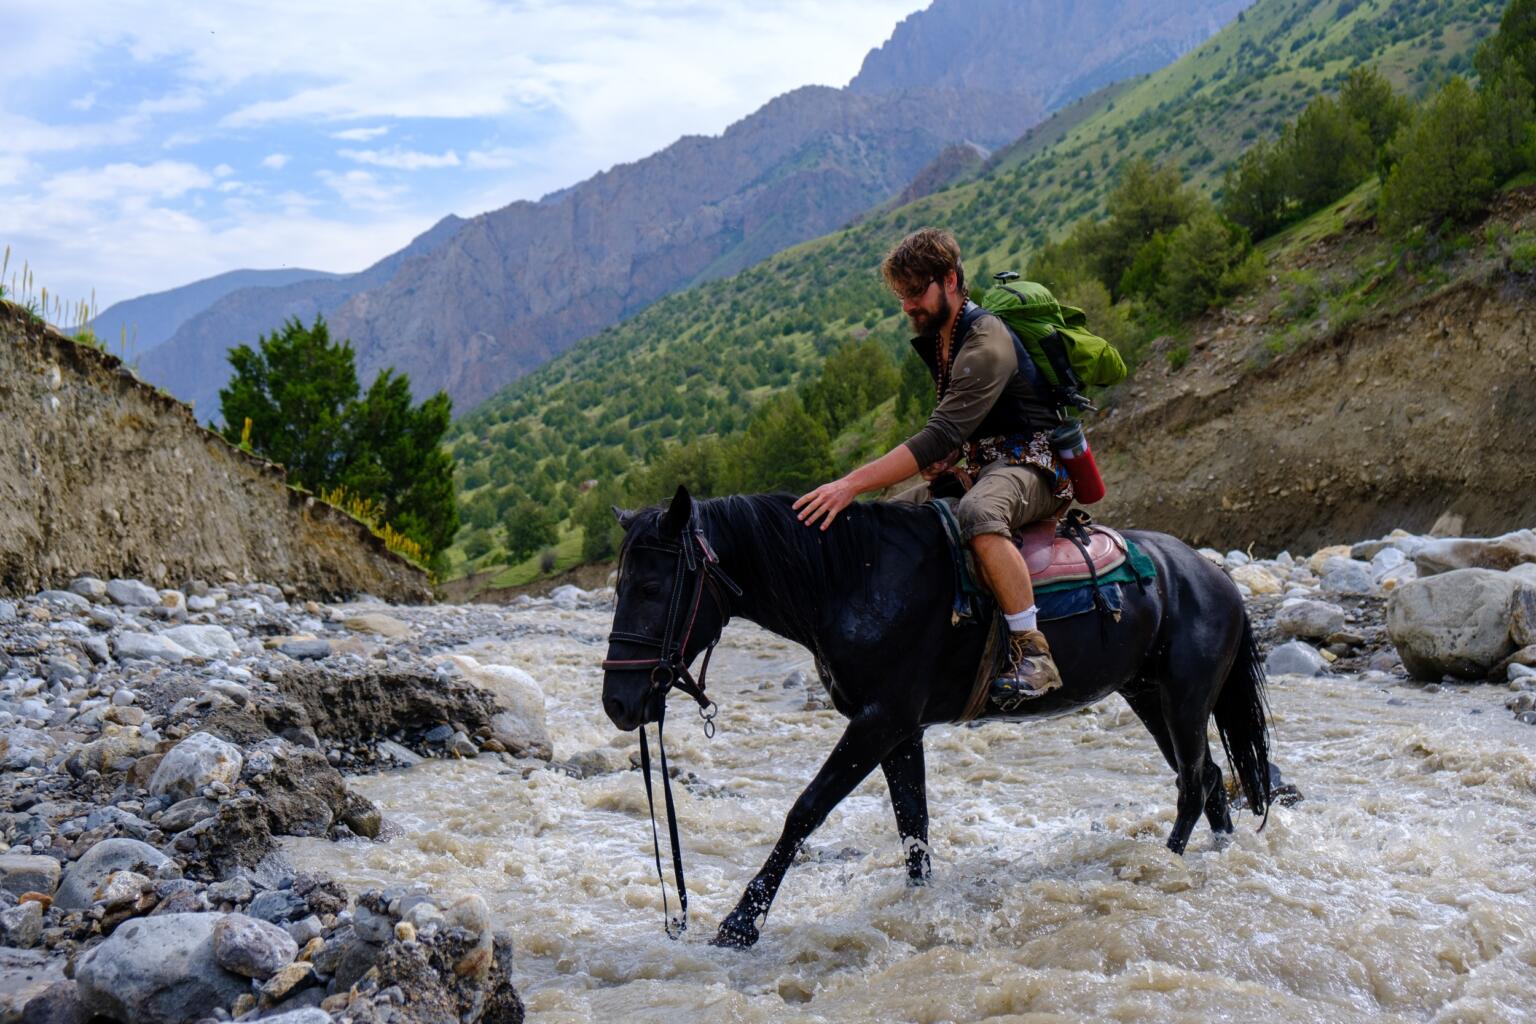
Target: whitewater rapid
(1399, 889)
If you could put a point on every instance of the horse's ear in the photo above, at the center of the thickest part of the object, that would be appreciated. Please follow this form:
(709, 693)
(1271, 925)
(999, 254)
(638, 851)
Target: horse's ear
(624, 516)
(679, 514)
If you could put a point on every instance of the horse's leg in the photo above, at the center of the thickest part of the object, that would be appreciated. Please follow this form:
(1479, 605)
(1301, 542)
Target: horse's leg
(1149, 709)
(904, 777)
(866, 742)
(1187, 715)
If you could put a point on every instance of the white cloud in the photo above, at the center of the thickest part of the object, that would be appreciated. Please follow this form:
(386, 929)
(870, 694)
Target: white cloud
(275, 161)
(401, 159)
(361, 188)
(163, 179)
(13, 169)
(360, 134)
(85, 102)
(223, 171)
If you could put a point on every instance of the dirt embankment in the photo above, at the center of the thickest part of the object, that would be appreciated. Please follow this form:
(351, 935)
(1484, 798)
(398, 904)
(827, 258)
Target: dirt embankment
(102, 474)
(1420, 408)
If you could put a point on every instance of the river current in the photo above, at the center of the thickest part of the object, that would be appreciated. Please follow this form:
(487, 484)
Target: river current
(1402, 888)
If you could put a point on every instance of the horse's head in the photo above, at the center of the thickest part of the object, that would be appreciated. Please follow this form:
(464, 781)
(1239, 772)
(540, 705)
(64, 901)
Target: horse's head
(670, 606)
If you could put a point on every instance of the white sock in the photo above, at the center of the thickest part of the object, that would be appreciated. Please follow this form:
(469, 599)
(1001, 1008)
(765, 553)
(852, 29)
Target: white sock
(1018, 622)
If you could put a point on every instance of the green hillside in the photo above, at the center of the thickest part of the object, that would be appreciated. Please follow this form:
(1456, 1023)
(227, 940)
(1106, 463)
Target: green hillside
(697, 363)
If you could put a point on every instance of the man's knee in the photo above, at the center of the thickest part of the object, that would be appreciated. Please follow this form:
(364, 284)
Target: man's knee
(982, 513)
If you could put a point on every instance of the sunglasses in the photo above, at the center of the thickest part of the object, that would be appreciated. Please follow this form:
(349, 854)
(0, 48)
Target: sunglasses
(913, 294)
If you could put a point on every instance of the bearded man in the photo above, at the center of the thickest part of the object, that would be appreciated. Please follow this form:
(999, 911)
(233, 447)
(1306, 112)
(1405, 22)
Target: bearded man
(989, 412)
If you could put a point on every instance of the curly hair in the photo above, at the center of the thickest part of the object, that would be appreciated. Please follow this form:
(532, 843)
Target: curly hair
(922, 256)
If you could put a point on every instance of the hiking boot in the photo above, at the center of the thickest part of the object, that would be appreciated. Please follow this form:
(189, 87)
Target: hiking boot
(1031, 672)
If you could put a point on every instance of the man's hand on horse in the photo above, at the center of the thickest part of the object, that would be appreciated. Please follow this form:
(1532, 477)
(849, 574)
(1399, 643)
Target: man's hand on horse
(827, 500)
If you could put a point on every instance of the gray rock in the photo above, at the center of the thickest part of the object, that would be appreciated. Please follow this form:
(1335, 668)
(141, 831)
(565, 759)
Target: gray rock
(397, 753)
(307, 1015)
(277, 906)
(122, 697)
(234, 691)
(1309, 619)
(183, 814)
(1295, 659)
(104, 618)
(438, 734)
(305, 929)
(600, 761)
(231, 890)
(158, 970)
(1501, 553)
(205, 641)
(95, 648)
(21, 747)
(7, 611)
(201, 603)
(1347, 576)
(1526, 572)
(1387, 558)
(132, 593)
(1522, 616)
(1454, 623)
(88, 587)
(122, 888)
(1518, 671)
(306, 650)
(378, 624)
(149, 647)
(195, 762)
(59, 1003)
(254, 948)
(64, 599)
(372, 926)
(21, 873)
(567, 597)
(90, 872)
(22, 925)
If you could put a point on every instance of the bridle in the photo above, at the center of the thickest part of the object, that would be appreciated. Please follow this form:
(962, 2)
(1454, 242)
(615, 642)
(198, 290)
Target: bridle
(669, 671)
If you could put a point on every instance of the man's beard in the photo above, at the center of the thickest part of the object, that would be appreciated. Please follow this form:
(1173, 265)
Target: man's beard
(925, 323)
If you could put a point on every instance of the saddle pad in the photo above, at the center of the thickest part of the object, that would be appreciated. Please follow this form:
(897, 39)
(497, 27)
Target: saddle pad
(1053, 559)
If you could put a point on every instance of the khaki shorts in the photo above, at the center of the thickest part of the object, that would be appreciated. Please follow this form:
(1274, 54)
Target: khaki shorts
(1004, 499)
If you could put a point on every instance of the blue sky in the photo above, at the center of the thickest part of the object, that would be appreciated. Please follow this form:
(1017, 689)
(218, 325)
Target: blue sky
(145, 145)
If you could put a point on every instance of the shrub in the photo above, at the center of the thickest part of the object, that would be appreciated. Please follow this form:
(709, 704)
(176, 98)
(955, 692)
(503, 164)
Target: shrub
(1444, 170)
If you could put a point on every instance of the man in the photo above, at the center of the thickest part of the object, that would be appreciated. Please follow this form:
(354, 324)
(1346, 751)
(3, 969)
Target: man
(987, 407)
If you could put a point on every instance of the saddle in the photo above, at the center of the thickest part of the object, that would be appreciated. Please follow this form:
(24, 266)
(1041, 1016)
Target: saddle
(1063, 552)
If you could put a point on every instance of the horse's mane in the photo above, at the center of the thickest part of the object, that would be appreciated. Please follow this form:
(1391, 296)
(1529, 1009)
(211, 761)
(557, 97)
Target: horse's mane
(785, 564)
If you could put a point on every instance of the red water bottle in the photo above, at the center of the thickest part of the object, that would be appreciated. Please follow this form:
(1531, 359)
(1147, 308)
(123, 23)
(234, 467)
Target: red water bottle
(1071, 446)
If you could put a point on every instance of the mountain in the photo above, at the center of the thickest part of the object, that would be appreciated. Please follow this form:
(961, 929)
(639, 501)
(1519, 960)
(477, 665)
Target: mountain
(518, 285)
(697, 362)
(150, 319)
(191, 364)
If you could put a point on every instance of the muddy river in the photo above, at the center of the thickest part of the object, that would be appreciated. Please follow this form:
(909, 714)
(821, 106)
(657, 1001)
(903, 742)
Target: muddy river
(1402, 888)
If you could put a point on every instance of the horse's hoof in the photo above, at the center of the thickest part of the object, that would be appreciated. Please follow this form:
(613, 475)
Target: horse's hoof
(735, 935)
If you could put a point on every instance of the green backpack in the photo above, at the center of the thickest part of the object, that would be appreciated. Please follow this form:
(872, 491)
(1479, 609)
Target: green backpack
(1067, 355)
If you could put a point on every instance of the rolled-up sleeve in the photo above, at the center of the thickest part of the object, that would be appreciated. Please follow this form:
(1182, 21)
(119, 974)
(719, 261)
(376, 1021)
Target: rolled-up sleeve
(982, 369)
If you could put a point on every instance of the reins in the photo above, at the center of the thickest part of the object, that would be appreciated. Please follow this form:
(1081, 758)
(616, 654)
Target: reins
(669, 671)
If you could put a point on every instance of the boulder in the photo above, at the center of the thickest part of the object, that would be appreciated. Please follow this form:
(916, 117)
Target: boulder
(379, 624)
(1522, 616)
(1321, 556)
(255, 949)
(204, 641)
(1257, 579)
(520, 729)
(1455, 623)
(150, 647)
(1501, 553)
(65, 599)
(22, 925)
(1313, 620)
(21, 873)
(21, 747)
(302, 792)
(193, 763)
(567, 597)
(132, 593)
(88, 874)
(158, 970)
(1347, 576)
(1295, 659)
(88, 587)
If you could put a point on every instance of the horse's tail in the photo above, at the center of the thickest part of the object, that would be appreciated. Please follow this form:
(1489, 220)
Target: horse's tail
(1241, 720)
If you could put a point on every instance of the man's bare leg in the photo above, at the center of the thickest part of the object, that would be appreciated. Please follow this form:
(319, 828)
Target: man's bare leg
(1031, 670)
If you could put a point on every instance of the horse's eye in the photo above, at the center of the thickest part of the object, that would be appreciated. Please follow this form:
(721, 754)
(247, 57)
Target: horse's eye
(650, 588)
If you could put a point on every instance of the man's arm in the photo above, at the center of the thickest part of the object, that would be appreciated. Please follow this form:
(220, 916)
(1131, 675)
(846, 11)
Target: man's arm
(831, 498)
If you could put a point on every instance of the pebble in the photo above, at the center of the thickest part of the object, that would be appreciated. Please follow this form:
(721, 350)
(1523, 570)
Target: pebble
(149, 646)
(132, 593)
(252, 947)
(306, 650)
(20, 872)
(1296, 658)
(197, 761)
(86, 875)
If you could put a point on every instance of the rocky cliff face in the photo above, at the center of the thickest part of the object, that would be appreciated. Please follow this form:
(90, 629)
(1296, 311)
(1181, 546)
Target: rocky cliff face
(1057, 50)
(519, 285)
(105, 475)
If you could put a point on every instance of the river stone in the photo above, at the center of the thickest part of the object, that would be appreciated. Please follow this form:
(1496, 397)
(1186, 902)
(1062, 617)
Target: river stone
(1310, 619)
(1295, 659)
(1257, 579)
(22, 925)
(88, 587)
(306, 650)
(193, 763)
(379, 624)
(1502, 553)
(120, 888)
(132, 593)
(21, 873)
(1455, 623)
(566, 597)
(1347, 576)
(205, 641)
(65, 599)
(1320, 558)
(150, 647)
(183, 814)
(398, 753)
(307, 1015)
(115, 752)
(1522, 616)
(87, 874)
(1396, 576)
(158, 970)
(520, 729)
(21, 747)
(256, 949)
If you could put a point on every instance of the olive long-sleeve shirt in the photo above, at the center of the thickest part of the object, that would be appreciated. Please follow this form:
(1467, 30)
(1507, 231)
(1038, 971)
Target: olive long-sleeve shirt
(985, 387)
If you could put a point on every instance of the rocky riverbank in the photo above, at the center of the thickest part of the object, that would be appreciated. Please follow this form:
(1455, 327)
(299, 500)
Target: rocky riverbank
(158, 745)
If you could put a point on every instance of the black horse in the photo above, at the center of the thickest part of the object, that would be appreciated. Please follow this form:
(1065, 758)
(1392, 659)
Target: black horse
(871, 598)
